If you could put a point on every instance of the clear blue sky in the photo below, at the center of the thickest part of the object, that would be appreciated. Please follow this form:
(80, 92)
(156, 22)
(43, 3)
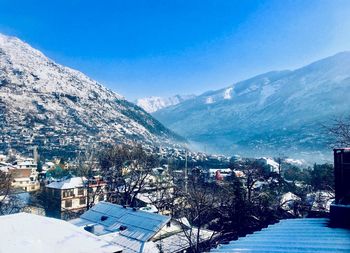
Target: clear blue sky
(144, 47)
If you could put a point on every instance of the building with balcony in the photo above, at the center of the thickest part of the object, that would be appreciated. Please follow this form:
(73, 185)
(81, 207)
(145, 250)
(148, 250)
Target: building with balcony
(73, 196)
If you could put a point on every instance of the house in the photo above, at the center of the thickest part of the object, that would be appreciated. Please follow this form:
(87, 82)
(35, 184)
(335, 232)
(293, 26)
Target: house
(24, 174)
(138, 231)
(74, 195)
(25, 178)
(213, 175)
(48, 166)
(30, 233)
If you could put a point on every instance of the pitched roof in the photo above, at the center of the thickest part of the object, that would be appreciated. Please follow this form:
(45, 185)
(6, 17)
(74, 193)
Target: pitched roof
(140, 225)
(70, 183)
(31, 233)
(293, 235)
(181, 241)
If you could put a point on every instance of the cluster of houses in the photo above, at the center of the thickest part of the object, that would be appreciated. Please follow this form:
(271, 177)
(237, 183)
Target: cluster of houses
(87, 223)
(98, 226)
(23, 172)
(105, 228)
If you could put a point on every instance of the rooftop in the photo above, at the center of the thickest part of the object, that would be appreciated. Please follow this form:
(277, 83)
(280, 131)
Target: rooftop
(128, 228)
(31, 233)
(293, 235)
(108, 218)
(70, 183)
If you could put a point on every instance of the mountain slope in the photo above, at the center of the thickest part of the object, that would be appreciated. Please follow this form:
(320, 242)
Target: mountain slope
(58, 108)
(153, 104)
(277, 112)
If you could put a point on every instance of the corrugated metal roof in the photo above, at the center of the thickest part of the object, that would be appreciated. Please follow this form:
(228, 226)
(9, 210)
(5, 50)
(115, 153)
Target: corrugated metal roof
(293, 235)
(140, 225)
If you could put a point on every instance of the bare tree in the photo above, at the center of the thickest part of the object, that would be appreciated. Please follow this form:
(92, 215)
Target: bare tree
(88, 169)
(200, 204)
(5, 186)
(339, 131)
(162, 193)
(126, 169)
(9, 203)
(254, 172)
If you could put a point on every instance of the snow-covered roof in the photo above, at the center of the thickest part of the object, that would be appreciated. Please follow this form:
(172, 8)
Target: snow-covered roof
(293, 235)
(269, 161)
(27, 163)
(320, 200)
(150, 209)
(139, 226)
(131, 245)
(31, 233)
(70, 183)
(108, 218)
(181, 241)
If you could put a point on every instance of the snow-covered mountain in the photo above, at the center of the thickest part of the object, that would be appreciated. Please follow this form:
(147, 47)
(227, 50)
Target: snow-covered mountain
(279, 112)
(46, 104)
(153, 104)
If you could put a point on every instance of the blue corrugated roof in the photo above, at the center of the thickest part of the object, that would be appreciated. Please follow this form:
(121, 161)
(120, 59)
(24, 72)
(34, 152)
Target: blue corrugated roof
(292, 235)
(140, 225)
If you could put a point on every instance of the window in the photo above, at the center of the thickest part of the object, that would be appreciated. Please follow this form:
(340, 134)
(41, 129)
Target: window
(82, 201)
(68, 193)
(68, 203)
(80, 191)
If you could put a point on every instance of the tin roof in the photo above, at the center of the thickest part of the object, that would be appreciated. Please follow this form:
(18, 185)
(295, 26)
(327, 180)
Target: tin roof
(293, 235)
(140, 225)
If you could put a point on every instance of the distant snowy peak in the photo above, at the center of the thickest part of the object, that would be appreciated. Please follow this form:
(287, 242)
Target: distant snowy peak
(153, 104)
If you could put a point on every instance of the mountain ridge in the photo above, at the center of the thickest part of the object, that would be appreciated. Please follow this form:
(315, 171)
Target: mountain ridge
(275, 112)
(42, 102)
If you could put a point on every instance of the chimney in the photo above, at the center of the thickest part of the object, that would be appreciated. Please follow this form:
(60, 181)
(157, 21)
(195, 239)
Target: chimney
(340, 209)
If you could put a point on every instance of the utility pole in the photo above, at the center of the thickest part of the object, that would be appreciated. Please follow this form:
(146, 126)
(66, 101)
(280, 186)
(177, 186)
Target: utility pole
(186, 174)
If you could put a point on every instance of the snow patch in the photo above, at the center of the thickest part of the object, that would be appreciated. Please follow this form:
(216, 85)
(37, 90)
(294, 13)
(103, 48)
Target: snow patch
(209, 100)
(228, 93)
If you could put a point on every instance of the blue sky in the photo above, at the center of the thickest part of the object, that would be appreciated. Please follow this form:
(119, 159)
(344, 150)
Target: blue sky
(143, 47)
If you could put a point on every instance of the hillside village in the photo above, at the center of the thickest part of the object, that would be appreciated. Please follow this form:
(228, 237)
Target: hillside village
(83, 195)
